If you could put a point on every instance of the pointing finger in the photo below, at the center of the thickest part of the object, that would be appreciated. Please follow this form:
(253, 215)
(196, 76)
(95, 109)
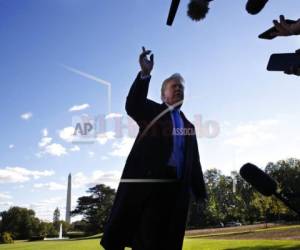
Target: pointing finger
(146, 52)
(282, 19)
(284, 24)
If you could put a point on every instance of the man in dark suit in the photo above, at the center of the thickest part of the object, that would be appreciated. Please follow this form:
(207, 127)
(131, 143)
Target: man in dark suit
(162, 170)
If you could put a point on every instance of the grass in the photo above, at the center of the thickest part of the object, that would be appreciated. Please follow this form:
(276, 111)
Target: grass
(191, 241)
(189, 244)
(251, 233)
(207, 244)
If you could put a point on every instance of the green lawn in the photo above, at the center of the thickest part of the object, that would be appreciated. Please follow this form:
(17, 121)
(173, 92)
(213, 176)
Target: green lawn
(189, 244)
(291, 232)
(238, 238)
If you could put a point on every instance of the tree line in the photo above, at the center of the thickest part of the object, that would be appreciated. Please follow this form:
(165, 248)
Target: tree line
(233, 199)
(230, 198)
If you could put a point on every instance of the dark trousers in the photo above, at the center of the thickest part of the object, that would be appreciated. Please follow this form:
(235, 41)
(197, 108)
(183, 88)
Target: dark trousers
(152, 231)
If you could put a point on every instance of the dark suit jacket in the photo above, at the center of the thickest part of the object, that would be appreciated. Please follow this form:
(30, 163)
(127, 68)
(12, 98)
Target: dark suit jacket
(149, 155)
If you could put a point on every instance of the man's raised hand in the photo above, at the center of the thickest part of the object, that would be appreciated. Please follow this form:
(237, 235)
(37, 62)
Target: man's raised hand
(145, 63)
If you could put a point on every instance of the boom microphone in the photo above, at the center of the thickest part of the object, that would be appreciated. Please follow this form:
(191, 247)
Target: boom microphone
(262, 182)
(197, 9)
(255, 6)
(172, 11)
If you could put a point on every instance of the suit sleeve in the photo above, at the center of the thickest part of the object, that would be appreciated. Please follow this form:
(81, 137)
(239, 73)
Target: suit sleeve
(197, 179)
(137, 106)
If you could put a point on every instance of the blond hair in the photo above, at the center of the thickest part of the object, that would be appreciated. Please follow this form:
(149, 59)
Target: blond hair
(176, 77)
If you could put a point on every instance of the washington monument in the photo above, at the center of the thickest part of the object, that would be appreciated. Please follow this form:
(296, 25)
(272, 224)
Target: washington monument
(68, 205)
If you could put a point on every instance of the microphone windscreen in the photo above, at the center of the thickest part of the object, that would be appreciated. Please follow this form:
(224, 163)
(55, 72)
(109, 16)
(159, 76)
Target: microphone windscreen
(197, 9)
(172, 11)
(261, 181)
(255, 6)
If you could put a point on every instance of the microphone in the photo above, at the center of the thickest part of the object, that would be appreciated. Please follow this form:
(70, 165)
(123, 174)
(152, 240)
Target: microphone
(197, 9)
(255, 6)
(264, 184)
(172, 11)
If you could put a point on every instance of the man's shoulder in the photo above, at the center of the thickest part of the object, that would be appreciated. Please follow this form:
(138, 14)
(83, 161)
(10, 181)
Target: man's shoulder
(190, 124)
(157, 106)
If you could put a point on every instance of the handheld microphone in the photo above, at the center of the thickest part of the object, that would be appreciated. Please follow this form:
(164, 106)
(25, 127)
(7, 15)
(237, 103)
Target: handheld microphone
(264, 184)
(255, 6)
(172, 11)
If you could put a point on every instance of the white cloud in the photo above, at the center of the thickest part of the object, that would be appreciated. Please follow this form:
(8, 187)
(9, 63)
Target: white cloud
(45, 141)
(75, 149)
(11, 146)
(109, 178)
(20, 174)
(255, 141)
(55, 149)
(103, 138)
(253, 134)
(113, 115)
(122, 147)
(79, 180)
(104, 157)
(44, 209)
(5, 196)
(50, 186)
(26, 116)
(67, 134)
(79, 107)
(4, 205)
(91, 154)
(45, 132)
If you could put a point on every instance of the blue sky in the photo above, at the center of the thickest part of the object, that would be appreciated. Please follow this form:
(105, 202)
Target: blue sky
(221, 58)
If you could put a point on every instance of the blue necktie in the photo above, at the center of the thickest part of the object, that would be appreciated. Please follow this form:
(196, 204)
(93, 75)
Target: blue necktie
(178, 137)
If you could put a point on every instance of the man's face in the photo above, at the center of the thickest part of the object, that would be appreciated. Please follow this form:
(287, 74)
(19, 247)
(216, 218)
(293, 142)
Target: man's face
(174, 92)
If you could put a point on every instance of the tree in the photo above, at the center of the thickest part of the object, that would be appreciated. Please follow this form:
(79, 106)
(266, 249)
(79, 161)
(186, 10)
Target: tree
(56, 217)
(95, 208)
(50, 230)
(21, 222)
(202, 215)
(287, 174)
(244, 203)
